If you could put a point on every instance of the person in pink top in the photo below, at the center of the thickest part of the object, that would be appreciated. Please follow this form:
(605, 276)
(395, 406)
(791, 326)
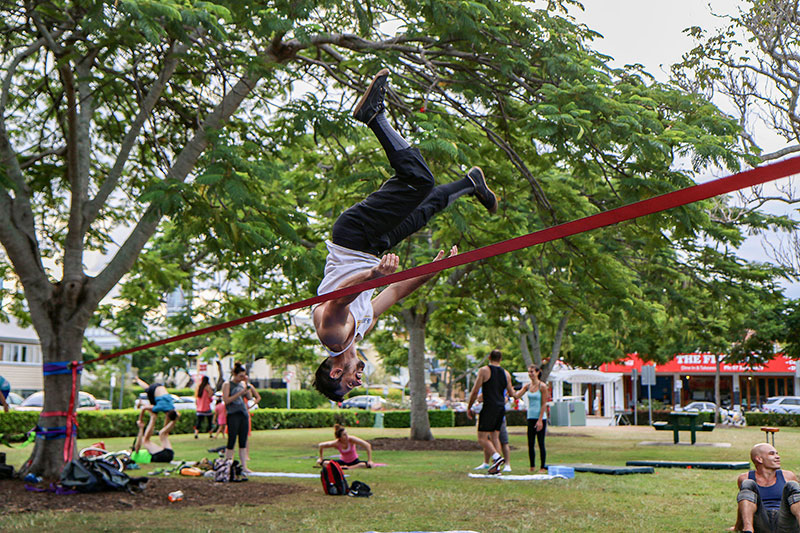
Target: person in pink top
(222, 416)
(202, 398)
(346, 444)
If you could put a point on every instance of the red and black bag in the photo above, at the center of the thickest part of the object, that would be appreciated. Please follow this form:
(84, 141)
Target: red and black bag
(333, 480)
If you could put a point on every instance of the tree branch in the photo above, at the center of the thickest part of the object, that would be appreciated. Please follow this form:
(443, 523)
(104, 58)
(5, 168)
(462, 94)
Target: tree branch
(125, 257)
(93, 207)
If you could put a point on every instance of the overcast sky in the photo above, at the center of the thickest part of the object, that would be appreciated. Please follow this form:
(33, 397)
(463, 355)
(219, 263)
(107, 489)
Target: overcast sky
(651, 33)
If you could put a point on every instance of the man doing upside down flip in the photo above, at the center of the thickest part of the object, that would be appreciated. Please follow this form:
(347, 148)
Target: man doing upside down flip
(404, 204)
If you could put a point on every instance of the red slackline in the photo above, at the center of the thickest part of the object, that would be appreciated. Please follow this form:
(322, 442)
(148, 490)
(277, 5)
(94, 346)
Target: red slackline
(748, 178)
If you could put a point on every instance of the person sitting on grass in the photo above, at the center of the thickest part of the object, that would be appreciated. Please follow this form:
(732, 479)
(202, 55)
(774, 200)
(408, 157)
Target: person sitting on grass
(346, 444)
(157, 453)
(769, 498)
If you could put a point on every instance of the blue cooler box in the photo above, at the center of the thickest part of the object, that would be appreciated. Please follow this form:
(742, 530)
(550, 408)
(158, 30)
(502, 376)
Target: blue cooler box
(566, 471)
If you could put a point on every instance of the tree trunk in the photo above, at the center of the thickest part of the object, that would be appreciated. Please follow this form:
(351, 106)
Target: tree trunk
(415, 325)
(61, 339)
(717, 400)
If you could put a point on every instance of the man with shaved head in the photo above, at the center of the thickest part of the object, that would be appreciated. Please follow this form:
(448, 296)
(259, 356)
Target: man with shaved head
(769, 498)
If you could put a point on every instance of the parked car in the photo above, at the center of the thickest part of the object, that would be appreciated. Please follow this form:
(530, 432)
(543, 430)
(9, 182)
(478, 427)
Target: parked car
(782, 404)
(703, 407)
(103, 404)
(14, 400)
(35, 402)
(363, 402)
(182, 403)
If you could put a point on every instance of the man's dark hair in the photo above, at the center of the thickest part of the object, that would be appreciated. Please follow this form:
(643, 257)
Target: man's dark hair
(325, 384)
(495, 356)
(172, 415)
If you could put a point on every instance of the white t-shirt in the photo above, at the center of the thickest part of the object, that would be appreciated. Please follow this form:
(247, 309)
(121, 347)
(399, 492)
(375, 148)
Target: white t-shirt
(340, 264)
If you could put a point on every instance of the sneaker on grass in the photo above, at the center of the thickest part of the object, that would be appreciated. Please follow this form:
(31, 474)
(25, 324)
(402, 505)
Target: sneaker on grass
(482, 466)
(507, 468)
(496, 465)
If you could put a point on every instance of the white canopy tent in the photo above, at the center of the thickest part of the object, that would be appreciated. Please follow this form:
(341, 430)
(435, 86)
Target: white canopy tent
(613, 393)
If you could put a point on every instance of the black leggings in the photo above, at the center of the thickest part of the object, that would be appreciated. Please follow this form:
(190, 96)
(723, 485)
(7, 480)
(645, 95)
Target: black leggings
(533, 436)
(238, 425)
(200, 417)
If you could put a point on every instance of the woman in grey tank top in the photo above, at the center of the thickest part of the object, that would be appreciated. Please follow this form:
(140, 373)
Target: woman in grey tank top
(234, 394)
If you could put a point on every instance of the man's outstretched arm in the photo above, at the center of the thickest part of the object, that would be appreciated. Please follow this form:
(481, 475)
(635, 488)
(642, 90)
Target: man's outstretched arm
(397, 291)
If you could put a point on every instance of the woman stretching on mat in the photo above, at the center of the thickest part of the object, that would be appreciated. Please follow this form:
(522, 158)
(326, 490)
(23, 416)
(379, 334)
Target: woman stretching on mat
(235, 393)
(537, 419)
(348, 456)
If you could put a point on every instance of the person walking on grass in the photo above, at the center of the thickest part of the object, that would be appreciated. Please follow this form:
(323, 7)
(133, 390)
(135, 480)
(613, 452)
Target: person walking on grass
(505, 449)
(404, 204)
(493, 381)
(202, 397)
(536, 393)
(235, 393)
(346, 444)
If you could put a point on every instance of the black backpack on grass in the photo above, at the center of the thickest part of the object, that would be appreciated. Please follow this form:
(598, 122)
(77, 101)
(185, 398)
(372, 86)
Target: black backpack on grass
(77, 475)
(94, 476)
(359, 490)
(333, 480)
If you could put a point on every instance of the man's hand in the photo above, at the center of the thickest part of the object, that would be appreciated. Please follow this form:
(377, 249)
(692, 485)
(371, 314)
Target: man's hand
(388, 265)
(469, 414)
(440, 255)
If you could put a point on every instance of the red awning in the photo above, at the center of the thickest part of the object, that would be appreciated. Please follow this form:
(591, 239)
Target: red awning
(701, 363)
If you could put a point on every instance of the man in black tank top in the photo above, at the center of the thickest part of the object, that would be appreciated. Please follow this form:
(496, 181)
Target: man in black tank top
(769, 498)
(493, 380)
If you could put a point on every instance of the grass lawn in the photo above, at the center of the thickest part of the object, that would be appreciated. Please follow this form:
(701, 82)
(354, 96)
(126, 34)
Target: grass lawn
(431, 490)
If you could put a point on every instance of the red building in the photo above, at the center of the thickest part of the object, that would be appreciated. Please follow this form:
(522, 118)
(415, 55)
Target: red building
(690, 377)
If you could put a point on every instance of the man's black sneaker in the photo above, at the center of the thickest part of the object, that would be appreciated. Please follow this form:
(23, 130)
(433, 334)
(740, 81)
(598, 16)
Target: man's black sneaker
(496, 466)
(372, 102)
(482, 191)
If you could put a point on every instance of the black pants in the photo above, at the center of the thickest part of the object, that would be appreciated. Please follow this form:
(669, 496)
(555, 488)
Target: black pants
(404, 204)
(238, 426)
(534, 436)
(203, 417)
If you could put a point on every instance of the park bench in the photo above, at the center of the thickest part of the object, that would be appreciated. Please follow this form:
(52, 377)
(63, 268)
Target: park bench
(681, 421)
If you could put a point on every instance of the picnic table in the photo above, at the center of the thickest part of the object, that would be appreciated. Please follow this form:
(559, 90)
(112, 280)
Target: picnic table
(683, 421)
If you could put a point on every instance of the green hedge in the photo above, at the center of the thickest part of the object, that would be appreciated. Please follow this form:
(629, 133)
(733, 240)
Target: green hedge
(122, 422)
(402, 419)
(513, 418)
(662, 415)
(276, 398)
(301, 399)
(772, 419)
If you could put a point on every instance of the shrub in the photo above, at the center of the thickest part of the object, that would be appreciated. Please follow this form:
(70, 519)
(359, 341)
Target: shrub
(461, 419)
(122, 422)
(301, 399)
(310, 418)
(662, 415)
(772, 419)
(402, 419)
(513, 418)
(14, 424)
(181, 392)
